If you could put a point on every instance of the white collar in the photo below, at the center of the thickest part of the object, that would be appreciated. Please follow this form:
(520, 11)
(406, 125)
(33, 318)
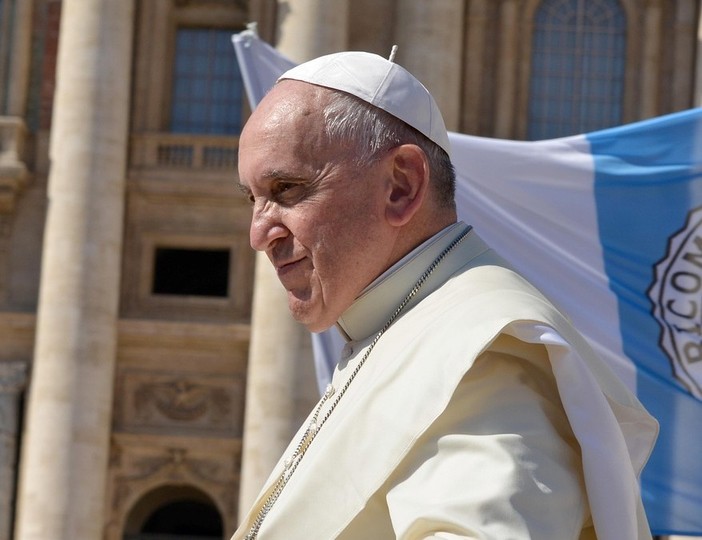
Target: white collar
(378, 301)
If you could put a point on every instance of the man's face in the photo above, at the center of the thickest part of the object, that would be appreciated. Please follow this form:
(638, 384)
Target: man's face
(319, 219)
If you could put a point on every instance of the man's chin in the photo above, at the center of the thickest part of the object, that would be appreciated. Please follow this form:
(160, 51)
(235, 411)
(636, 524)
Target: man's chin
(309, 315)
(319, 327)
(312, 324)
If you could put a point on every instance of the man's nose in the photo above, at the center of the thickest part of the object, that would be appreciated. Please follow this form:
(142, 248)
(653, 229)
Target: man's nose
(266, 228)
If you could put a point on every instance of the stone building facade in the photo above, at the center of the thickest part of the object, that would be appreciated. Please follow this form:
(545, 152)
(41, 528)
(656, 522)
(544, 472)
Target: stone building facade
(149, 373)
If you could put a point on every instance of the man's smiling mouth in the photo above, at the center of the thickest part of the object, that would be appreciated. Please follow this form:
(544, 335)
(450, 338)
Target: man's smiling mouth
(284, 268)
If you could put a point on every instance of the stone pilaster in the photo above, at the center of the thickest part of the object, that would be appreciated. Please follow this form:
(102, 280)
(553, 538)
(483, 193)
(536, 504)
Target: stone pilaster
(13, 377)
(430, 40)
(310, 28)
(13, 171)
(274, 357)
(506, 91)
(64, 458)
(474, 94)
(19, 68)
(651, 59)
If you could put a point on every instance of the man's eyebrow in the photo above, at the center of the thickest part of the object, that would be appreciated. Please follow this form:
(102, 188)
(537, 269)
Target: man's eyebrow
(279, 174)
(272, 174)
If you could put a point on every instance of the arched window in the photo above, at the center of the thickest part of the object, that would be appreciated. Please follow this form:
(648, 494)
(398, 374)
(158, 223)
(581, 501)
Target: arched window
(577, 67)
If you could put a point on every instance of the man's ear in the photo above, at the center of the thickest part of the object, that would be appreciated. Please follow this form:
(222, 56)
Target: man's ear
(409, 182)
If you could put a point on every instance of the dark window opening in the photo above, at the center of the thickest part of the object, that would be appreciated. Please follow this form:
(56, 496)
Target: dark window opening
(185, 518)
(191, 272)
(182, 519)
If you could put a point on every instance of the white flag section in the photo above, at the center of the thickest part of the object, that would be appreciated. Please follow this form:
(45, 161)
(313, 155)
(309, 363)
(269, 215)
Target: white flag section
(609, 226)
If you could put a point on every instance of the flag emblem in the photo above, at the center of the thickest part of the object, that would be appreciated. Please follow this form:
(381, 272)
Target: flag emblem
(676, 294)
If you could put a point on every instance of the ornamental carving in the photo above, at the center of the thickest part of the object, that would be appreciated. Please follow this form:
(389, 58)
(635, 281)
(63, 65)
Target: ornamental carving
(140, 465)
(177, 465)
(181, 400)
(167, 403)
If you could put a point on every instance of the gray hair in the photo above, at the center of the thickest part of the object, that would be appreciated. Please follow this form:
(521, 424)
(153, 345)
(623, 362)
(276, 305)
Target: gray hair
(350, 120)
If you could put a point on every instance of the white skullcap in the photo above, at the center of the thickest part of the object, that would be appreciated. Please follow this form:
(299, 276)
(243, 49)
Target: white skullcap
(379, 82)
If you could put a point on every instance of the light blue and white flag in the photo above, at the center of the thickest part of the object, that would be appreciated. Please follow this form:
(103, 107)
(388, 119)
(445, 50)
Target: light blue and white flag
(609, 226)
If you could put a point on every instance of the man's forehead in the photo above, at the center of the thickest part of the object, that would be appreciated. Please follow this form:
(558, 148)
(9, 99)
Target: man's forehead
(284, 117)
(290, 99)
(291, 115)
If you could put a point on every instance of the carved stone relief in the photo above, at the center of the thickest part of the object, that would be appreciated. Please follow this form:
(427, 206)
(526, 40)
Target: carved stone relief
(140, 465)
(160, 402)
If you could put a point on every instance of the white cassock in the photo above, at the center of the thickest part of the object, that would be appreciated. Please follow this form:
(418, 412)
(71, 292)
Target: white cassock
(479, 413)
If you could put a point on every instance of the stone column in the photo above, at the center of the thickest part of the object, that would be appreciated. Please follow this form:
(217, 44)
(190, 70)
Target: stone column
(429, 37)
(280, 348)
(64, 459)
(13, 376)
(477, 38)
(20, 58)
(685, 45)
(13, 130)
(274, 357)
(651, 59)
(506, 92)
(310, 28)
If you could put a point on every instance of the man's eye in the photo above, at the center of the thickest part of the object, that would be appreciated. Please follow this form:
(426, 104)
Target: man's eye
(284, 186)
(288, 192)
(246, 193)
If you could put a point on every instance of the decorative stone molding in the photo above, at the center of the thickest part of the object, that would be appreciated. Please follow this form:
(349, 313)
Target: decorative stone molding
(180, 403)
(13, 171)
(181, 400)
(201, 153)
(140, 465)
(177, 465)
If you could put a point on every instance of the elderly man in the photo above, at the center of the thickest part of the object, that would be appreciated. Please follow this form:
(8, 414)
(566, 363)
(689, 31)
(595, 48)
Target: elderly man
(464, 404)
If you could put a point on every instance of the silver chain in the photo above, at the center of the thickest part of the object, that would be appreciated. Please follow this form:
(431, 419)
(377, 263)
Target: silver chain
(314, 426)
